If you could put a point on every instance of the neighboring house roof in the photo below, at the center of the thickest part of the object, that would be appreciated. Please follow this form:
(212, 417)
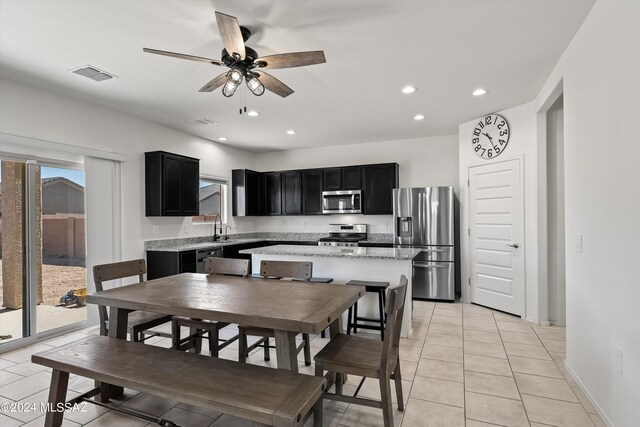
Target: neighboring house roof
(208, 191)
(49, 181)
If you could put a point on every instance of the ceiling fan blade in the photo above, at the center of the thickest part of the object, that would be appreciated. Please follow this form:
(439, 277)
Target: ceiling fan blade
(231, 35)
(274, 85)
(293, 59)
(183, 56)
(215, 83)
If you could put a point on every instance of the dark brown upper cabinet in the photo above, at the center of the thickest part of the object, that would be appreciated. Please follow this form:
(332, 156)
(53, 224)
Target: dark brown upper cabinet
(312, 191)
(171, 184)
(332, 179)
(377, 192)
(246, 192)
(292, 193)
(352, 178)
(272, 193)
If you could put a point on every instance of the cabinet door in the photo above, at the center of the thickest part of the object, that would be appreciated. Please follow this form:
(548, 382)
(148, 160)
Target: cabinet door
(190, 187)
(292, 193)
(272, 193)
(378, 184)
(332, 179)
(352, 178)
(246, 192)
(312, 191)
(171, 186)
(253, 193)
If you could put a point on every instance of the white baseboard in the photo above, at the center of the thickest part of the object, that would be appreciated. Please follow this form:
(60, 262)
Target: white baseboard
(586, 392)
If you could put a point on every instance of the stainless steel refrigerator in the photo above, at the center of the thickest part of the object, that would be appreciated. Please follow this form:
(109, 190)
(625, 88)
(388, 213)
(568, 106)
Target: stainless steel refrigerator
(426, 218)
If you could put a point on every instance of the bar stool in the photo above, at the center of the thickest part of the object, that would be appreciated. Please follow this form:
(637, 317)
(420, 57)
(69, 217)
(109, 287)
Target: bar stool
(355, 322)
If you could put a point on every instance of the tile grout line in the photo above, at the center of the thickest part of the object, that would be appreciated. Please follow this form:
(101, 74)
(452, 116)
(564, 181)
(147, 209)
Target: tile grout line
(526, 413)
(414, 375)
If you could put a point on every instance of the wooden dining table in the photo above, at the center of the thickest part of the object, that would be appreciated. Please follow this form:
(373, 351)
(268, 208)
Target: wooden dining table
(288, 308)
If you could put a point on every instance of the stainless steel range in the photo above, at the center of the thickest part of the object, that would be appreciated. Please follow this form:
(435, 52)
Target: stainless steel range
(344, 235)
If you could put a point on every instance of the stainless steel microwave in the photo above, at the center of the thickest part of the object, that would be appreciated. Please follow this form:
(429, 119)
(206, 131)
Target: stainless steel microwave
(342, 202)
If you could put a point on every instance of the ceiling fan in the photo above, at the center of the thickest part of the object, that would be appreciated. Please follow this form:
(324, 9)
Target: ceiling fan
(244, 62)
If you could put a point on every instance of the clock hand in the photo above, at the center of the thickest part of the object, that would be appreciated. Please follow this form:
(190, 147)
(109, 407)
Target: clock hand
(490, 140)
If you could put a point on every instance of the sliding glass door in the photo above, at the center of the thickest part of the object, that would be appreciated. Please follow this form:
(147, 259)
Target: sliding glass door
(43, 250)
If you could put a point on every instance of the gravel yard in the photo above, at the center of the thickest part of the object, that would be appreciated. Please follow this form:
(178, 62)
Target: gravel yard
(56, 281)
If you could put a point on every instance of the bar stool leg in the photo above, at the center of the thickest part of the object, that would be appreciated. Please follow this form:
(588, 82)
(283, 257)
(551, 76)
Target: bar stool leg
(381, 308)
(355, 318)
(349, 325)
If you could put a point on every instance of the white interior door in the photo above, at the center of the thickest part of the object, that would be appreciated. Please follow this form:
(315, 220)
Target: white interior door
(496, 236)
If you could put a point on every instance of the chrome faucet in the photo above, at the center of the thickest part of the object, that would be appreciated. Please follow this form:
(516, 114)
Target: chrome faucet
(215, 227)
(226, 229)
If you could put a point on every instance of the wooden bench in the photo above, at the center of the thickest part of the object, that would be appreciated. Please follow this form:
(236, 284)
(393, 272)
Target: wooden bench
(266, 396)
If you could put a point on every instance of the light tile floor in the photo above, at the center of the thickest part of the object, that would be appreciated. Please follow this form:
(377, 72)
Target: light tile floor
(464, 365)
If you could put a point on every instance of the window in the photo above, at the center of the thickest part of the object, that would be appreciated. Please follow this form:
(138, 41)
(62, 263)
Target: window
(212, 200)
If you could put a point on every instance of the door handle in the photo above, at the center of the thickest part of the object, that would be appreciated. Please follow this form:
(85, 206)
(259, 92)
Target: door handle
(514, 245)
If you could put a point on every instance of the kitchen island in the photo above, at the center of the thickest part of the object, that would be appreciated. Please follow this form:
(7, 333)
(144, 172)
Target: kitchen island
(348, 263)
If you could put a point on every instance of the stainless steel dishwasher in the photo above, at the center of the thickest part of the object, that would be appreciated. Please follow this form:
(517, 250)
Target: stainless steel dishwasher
(203, 254)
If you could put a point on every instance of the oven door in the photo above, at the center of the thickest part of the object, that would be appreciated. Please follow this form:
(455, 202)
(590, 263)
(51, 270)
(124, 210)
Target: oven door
(342, 201)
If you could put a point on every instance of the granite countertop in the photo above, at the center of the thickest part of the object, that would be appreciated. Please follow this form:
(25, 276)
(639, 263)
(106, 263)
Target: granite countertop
(205, 242)
(400, 254)
(179, 247)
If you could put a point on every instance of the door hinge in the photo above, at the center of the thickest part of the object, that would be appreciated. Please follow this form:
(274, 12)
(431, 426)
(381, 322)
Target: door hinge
(469, 231)
(468, 182)
(469, 281)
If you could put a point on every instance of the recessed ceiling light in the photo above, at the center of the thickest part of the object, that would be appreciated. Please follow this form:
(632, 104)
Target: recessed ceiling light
(253, 113)
(222, 138)
(479, 92)
(291, 132)
(409, 89)
(418, 117)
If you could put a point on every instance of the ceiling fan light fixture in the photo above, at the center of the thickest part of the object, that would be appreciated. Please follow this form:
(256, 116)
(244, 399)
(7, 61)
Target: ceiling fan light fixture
(235, 75)
(255, 85)
(229, 88)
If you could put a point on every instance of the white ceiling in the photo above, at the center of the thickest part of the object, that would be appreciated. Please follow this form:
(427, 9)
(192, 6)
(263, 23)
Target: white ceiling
(373, 48)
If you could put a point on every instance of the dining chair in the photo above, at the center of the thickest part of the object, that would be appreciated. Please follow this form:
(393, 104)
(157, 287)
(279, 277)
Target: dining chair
(284, 270)
(138, 321)
(198, 328)
(369, 358)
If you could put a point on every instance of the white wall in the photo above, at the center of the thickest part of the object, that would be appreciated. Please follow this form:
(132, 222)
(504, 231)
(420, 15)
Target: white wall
(555, 215)
(521, 145)
(599, 71)
(32, 112)
(423, 162)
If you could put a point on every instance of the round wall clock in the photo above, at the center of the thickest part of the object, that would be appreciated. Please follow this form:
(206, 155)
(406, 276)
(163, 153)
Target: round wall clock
(490, 136)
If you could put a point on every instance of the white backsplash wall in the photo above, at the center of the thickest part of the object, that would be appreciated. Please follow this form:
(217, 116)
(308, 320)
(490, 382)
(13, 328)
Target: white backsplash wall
(318, 223)
(424, 162)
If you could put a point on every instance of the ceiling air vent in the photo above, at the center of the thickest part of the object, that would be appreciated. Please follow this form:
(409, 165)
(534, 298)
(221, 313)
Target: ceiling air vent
(204, 121)
(93, 73)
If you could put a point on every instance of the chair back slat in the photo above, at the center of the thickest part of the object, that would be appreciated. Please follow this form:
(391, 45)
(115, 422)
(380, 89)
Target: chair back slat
(394, 312)
(227, 266)
(296, 269)
(113, 271)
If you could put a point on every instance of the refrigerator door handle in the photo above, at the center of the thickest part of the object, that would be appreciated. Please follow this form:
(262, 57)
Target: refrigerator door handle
(431, 265)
